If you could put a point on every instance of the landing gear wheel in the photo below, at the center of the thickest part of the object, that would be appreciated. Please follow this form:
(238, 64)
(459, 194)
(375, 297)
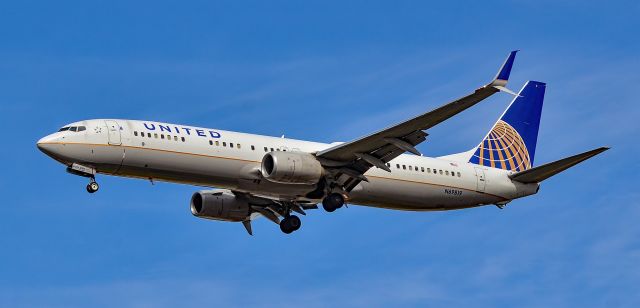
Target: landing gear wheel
(295, 222)
(284, 226)
(332, 202)
(92, 187)
(290, 224)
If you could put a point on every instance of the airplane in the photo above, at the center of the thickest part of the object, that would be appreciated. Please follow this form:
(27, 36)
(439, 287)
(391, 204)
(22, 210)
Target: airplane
(248, 176)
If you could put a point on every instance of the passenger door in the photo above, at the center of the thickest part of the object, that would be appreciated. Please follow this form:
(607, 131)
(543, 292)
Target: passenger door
(481, 180)
(113, 130)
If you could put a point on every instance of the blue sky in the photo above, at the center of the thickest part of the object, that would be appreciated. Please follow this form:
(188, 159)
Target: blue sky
(326, 71)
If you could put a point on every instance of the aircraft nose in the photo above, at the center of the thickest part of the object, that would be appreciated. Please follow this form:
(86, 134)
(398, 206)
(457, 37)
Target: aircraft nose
(46, 145)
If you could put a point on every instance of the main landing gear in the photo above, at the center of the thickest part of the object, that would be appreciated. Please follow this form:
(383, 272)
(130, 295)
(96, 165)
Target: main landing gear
(93, 186)
(332, 202)
(290, 223)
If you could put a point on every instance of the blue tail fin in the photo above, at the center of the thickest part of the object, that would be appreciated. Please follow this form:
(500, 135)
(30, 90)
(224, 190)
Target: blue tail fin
(511, 143)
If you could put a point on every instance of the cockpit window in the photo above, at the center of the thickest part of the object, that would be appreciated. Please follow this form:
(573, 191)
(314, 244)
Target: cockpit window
(73, 128)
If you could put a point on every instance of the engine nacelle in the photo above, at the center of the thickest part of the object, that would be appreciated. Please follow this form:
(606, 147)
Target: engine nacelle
(219, 204)
(291, 168)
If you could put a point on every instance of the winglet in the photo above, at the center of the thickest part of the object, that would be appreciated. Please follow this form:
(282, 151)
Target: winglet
(505, 70)
(500, 81)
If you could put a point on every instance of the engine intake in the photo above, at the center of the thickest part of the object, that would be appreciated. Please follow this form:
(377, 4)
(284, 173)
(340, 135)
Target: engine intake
(291, 168)
(219, 205)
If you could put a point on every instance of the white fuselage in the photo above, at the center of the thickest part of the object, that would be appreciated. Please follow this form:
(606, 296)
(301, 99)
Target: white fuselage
(216, 158)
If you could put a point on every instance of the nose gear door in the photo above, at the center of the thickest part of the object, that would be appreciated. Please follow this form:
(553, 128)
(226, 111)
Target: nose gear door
(113, 130)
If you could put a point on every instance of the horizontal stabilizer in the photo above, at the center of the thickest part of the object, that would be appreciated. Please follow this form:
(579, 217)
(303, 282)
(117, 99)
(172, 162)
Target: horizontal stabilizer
(541, 173)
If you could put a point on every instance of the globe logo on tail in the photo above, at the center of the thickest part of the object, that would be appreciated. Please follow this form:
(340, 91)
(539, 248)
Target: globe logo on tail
(503, 148)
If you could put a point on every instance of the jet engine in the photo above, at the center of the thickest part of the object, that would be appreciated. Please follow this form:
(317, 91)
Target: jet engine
(291, 168)
(219, 205)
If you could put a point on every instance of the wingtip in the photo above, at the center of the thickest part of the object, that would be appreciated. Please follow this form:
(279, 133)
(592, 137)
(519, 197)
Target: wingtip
(599, 150)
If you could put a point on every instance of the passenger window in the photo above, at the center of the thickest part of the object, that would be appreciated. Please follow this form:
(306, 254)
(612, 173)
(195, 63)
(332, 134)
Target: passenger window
(135, 134)
(422, 169)
(453, 173)
(404, 167)
(458, 174)
(149, 135)
(398, 166)
(440, 172)
(446, 172)
(73, 128)
(224, 144)
(230, 145)
(271, 149)
(416, 168)
(161, 136)
(182, 139)
(210, 142)
(155, 136)
(217, 143)
(265, 149)
(175, 138)
(82, 128)
(253, 148)
(238, 146)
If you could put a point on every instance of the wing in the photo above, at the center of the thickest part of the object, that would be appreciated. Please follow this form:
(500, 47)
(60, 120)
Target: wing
(354, 158)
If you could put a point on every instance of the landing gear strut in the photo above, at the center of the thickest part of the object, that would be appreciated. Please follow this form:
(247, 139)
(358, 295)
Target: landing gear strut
(92, 186)
(332, 202)
(290, 223)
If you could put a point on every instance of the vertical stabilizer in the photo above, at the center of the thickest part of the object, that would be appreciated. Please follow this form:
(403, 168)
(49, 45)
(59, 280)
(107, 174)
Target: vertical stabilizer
(511, 143)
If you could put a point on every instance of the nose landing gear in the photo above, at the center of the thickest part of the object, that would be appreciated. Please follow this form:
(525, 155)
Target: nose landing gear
(93, 186)
(87, 172)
